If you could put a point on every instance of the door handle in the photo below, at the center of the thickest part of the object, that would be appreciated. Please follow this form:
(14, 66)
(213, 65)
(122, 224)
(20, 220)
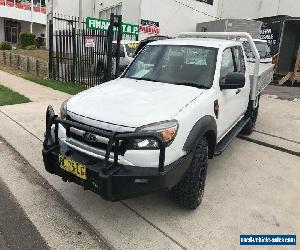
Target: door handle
(238, 91)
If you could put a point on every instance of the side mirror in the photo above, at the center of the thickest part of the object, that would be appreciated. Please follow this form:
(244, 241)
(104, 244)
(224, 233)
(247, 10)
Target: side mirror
(233, 80)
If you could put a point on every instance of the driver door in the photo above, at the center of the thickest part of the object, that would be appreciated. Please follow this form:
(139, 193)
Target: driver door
(232, 102)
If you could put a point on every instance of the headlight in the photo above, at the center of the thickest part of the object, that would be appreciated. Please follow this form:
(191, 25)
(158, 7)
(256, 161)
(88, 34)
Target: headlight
(167, 130)
(63, 110)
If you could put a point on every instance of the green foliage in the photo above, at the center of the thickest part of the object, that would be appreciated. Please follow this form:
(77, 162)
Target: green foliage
(30, 47)
(27, 39)
(70, 88)
(5, 46)
(9, 97)
(19, 46)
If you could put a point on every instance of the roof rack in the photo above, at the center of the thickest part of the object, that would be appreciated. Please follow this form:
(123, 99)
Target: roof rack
(228, 36)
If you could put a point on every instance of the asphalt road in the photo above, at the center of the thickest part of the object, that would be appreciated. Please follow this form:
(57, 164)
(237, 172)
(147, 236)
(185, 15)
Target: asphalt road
(16, 230)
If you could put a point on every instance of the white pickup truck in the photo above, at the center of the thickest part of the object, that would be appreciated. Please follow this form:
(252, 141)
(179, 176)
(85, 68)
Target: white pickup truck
(179, 103)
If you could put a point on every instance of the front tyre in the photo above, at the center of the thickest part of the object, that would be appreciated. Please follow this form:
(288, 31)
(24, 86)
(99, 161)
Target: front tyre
(188, 193)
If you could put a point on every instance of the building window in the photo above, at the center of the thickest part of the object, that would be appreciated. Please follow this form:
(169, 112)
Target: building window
(105, 13)
(12, 30)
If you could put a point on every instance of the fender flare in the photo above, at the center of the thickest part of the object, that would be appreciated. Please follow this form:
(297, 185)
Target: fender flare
(205, 126)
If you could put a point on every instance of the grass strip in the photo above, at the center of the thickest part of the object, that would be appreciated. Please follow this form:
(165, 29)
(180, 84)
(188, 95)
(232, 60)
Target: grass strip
(9, 97)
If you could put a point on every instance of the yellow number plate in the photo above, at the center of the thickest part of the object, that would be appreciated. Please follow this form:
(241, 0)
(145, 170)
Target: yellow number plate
(72, 167)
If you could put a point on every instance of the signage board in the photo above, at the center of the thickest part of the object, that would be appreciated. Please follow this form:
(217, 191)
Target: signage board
(149, 27)
(270, 32)
(103, 24)
(90, 41)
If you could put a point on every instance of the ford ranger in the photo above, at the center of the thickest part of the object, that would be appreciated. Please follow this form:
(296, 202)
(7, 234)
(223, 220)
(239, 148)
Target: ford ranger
(179, 103)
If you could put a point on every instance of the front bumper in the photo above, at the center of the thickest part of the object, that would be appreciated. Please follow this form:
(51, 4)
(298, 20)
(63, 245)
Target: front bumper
(111, 180)
(120, 182)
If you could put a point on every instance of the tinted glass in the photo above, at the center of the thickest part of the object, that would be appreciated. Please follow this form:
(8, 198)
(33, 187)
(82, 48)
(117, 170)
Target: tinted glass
(227, 65)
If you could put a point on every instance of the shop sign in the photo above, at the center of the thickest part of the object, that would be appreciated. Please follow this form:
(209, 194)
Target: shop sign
(103, 24)
(270, 31)
(149, 27)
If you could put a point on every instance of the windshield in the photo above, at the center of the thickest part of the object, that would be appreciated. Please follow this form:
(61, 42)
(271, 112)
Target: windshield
(262, 47)
(131, 48)
(182, 65)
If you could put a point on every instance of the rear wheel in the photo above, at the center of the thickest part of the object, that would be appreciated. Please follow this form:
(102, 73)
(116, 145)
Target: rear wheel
(253, 114)
(188, 193)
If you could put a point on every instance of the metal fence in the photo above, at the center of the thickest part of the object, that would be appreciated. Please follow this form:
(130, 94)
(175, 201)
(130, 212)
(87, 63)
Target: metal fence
(72, 59)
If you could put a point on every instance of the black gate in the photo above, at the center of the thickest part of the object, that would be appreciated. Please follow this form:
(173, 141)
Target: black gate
(83, 56)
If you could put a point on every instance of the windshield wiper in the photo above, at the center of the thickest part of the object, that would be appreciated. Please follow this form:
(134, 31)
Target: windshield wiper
(143, 79)
(191, 84)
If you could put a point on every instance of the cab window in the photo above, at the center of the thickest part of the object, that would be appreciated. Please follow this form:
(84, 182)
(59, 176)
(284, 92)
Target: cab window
(227, 65)
(233, 61)
(239, 59)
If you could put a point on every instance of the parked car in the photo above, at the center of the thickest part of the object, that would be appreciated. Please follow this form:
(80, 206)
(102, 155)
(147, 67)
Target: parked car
(263, 48)
(127, 53)
(179, 103)
(148, 40)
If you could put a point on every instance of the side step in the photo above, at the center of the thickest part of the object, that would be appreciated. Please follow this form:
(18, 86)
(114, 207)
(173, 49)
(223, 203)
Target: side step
(223, 144)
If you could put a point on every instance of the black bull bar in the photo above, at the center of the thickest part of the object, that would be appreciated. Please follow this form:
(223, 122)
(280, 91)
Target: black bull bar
(114, 139)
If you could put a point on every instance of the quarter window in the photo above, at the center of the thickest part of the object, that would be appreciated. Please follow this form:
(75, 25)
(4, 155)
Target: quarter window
(239, 59)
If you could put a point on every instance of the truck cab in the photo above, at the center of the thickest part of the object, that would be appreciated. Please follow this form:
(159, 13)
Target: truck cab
(179, 103)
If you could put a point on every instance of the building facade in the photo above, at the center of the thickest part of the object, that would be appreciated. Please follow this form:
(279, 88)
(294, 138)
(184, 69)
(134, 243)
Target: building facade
(22, 16)
(170, 17)
(258, 8)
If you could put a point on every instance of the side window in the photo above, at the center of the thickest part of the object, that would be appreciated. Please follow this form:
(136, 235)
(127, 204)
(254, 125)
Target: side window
(240, 60)
(228, 64)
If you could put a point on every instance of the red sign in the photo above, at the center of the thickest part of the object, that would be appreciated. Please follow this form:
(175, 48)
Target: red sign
(150, 29)
(10, 3)
(2, 2)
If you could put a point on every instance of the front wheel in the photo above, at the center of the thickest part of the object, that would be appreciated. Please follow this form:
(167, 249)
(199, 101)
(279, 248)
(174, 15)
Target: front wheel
(188, 193)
